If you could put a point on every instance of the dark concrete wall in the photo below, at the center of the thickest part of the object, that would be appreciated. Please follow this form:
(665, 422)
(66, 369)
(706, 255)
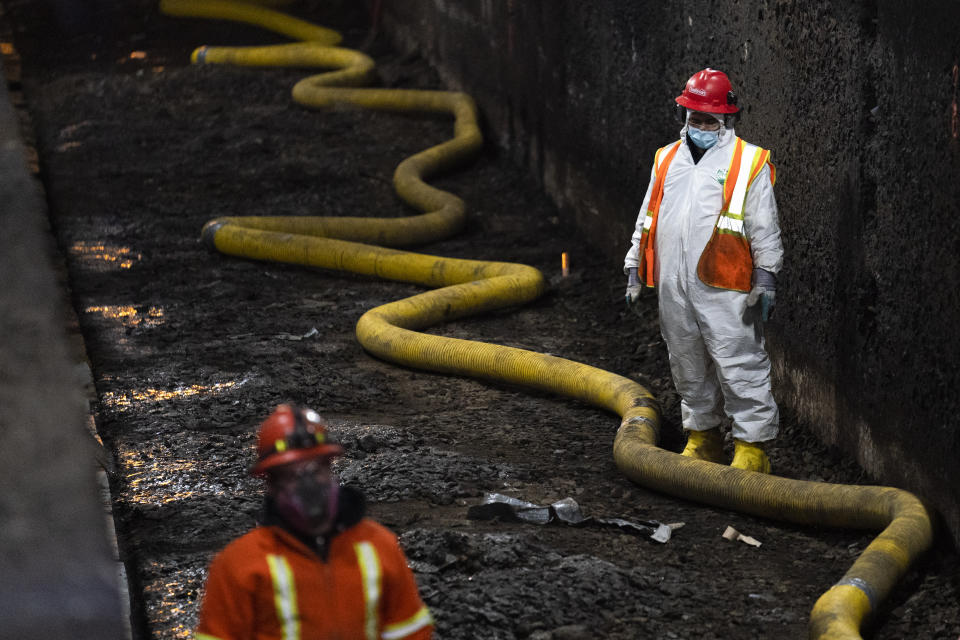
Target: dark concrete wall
(858, 103)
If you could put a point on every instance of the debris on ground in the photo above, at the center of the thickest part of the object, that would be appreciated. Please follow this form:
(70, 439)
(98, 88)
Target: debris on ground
(497, 505)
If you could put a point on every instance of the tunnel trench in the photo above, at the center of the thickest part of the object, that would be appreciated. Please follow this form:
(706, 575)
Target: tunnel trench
(203, 336)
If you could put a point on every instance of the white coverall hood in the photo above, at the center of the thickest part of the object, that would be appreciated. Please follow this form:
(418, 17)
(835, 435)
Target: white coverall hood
(724, 132)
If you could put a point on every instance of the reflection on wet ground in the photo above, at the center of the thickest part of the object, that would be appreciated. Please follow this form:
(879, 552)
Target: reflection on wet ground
(129, 316)
(159, 480)
(121, 400)
(122, 257)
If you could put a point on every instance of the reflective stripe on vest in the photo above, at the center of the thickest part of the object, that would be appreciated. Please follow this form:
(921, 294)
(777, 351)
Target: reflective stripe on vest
(726, 262)
(414, 623)
(284, 597)
(370, 576)
(647, 253)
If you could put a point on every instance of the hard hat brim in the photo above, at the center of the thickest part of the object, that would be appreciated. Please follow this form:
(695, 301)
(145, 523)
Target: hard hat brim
(705, 107)
(295, 455)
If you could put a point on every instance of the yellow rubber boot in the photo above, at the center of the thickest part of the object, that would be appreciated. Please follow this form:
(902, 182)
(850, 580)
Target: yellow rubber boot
(750, 456)
(705, 445)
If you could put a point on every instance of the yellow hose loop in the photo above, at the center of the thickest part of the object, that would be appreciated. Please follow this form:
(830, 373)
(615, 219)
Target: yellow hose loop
(445, 212)
(268, 3)
(839, 613)
(356, 68)
(465, 287)
(382, 333)
(251, 14)
(468, 287)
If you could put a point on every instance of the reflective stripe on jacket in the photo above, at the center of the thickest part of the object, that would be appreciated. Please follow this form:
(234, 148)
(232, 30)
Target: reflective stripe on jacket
(661, 162)
(726, 261)
(267, 585)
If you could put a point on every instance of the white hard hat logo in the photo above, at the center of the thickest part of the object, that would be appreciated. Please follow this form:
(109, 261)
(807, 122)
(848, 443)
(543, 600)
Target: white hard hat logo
(698, 91)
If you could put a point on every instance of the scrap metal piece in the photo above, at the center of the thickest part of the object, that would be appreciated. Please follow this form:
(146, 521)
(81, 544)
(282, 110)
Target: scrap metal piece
(497, 505)
(566, 510)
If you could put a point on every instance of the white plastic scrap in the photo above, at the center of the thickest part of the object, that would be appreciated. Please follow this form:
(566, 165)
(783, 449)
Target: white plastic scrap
(732, 534)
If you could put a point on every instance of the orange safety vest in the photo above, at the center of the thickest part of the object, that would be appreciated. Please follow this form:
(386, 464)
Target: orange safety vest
(726, 261)
(267, 585)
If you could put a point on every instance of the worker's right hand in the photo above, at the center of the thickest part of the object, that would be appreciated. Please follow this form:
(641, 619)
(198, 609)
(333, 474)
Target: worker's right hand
(634, 291)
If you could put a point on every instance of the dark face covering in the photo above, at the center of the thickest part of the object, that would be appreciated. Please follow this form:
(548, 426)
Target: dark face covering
(306, 497)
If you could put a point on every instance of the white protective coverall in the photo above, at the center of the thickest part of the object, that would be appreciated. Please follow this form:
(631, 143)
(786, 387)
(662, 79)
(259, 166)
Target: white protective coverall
(716, 345)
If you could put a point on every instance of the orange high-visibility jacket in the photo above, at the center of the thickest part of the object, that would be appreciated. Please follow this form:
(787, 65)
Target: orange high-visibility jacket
(726, 261)
(268, 585)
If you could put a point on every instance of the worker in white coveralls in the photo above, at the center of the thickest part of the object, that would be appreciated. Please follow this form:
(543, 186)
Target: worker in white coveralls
(707, 238)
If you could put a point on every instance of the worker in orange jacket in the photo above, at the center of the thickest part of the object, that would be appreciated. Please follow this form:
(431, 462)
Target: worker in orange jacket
(316, 568)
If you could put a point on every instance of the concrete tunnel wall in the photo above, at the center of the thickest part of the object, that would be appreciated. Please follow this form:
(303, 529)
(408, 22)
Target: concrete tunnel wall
(58, 573)
(858, 102)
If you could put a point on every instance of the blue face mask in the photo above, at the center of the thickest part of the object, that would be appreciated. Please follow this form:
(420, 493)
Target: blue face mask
(703, 139)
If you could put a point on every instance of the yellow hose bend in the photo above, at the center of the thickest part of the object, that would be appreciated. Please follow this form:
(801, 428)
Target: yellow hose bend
(466, 287)
(250, 13)
(838, 613)
(444, 212)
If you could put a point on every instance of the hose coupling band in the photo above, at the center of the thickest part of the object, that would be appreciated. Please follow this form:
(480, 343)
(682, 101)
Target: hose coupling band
(864, 586)
(651, 423)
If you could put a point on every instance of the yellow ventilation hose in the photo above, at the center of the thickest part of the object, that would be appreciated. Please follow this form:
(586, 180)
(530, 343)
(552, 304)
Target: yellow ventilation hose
(466, 287)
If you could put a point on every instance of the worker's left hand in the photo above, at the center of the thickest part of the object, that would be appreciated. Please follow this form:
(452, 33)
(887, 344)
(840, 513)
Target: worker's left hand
(768, 300)
(764, 291)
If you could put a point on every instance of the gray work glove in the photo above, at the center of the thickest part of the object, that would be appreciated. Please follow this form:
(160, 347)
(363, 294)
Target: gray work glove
(634, 290)
(764, 291)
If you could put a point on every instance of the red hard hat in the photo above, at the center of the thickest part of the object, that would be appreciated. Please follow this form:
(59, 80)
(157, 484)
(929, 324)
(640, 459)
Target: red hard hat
(709, 91)
(290, 434)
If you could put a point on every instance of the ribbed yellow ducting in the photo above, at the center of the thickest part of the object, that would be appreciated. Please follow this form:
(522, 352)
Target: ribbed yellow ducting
(466, 287)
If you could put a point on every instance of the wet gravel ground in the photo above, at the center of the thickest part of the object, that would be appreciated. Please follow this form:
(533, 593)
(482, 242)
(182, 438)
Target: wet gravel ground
(190, 350)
